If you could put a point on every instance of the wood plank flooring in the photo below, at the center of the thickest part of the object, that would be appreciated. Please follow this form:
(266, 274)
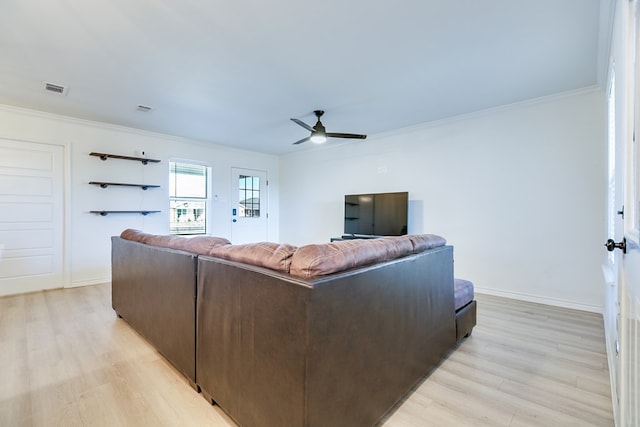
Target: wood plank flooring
(66, 360)
(524, 365)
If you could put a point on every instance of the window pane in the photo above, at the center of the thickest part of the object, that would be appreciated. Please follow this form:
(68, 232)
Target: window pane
(172, 185)
(187, 217)
(249, 196)
(187, 180)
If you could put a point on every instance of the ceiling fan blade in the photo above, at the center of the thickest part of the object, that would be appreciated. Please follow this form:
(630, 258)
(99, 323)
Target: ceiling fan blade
(303, 124)
(346, 135)
(302, 140)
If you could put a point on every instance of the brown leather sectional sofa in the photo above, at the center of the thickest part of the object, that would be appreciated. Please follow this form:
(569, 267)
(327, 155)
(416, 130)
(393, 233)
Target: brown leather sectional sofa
(333, 334)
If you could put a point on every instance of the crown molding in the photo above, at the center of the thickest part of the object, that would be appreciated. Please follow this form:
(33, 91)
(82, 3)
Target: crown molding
(119, 128)
(490, 111)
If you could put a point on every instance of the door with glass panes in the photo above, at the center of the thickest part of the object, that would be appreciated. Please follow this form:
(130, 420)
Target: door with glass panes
(249, 217)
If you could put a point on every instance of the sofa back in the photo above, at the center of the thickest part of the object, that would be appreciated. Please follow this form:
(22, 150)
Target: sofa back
(154, 290)
(321, 259)
(308, 332)
(199, 245)
(298, 351)
(309, 261)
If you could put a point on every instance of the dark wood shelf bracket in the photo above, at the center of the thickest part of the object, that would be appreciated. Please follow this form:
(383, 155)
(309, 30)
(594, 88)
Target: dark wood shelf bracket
(105, 213)
(103, 184)
(105, 156)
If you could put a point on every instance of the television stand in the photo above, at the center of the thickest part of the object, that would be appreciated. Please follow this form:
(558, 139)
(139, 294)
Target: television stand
(354, 237)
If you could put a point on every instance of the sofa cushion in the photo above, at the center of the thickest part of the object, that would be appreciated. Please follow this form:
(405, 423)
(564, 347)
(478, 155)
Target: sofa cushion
(264, 254)
(135, 235)
(201, 245)
(463, 292)
(423, 242)
(320, 259)
(149, 239)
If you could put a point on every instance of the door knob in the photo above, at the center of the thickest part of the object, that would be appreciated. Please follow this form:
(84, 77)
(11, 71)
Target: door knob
(611, 245)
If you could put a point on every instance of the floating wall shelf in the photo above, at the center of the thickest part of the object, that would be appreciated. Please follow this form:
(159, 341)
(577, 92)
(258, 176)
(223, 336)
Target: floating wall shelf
(105, 213)
(105, 156)
(106, 184)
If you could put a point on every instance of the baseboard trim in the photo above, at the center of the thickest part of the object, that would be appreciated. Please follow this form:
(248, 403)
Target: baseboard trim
(80, 283)
(539, 300)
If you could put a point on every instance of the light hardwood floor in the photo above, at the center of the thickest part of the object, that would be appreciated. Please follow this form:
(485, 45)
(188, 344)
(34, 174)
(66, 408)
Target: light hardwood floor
(66, 360)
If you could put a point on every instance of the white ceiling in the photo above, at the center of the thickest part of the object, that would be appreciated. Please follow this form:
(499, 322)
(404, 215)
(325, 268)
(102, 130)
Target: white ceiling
(234, 72)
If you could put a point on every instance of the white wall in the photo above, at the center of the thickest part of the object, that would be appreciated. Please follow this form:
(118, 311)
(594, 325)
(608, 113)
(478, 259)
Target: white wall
(519, 191)
(88, 246)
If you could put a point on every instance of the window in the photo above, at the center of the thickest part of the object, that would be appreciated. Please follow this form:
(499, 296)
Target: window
(188, 197)
(249, 197)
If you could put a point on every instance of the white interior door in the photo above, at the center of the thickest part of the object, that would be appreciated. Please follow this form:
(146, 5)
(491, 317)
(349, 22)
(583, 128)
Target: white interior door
(31, 216)
(249, 216)
(615, 232)
(624, 232)
(630, 266)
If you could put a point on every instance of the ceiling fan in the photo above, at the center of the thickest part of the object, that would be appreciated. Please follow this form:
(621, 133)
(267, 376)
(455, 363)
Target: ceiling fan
(319, 134)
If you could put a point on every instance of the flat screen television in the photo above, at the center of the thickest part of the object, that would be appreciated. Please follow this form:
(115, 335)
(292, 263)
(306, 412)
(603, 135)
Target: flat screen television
(377, 214)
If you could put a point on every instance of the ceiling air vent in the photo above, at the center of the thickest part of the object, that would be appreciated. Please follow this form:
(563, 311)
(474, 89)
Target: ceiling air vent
(54, 88)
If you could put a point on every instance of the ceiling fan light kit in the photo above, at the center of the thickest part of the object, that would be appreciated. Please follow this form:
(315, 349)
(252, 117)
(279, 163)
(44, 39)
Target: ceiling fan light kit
(319, 134)
(318, 138)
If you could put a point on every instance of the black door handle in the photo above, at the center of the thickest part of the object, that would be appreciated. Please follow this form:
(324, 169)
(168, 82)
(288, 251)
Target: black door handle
(611, 245)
